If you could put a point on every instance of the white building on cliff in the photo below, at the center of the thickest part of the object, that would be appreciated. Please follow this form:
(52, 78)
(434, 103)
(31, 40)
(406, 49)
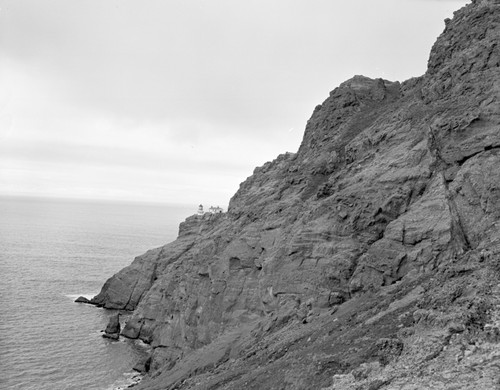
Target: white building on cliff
(211, 210)
(215, 210)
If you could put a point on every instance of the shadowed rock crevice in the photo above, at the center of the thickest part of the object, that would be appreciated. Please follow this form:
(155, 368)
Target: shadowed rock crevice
(485, 149)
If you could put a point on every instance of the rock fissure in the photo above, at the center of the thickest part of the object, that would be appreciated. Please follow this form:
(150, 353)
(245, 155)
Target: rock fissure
(463, 160)
(459, 232)
(127, 304)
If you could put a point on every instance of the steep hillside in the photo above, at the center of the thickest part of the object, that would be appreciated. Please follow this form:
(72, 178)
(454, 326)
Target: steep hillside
(369, 259)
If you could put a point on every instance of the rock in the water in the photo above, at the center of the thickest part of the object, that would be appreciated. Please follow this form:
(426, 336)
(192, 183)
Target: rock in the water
(113, 328)
(82, 299)
(112, 336)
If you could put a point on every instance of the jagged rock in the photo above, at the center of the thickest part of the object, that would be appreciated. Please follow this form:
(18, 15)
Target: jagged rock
(388, 350)
(389, 212)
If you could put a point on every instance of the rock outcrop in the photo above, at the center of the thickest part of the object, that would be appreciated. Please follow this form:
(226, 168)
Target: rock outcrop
(369, 259)
(82, 299)
(113, 328)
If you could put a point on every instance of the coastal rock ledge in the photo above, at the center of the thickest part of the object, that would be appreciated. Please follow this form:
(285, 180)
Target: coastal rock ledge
(369, 259)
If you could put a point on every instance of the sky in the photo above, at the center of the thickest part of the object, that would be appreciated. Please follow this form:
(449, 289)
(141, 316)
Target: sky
(177, 101)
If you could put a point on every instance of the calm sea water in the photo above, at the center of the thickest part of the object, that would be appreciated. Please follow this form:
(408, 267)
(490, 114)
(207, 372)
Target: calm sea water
(52, 251)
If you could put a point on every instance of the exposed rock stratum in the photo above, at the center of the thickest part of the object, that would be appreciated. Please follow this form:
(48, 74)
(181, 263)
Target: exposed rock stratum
(369, 259)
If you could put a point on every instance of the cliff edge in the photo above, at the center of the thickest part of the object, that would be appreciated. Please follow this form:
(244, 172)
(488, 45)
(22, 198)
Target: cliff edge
(369, 259)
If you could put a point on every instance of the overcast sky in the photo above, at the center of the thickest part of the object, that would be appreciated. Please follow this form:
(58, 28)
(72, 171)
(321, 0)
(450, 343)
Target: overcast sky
(178, 100)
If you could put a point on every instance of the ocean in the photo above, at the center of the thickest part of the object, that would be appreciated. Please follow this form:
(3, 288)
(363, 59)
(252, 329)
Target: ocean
(51, 252)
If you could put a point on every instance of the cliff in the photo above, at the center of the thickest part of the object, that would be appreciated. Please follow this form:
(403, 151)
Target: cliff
(369, 259)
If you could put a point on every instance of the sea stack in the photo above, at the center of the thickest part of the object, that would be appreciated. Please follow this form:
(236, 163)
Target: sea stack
(382, 232)
(113, 328)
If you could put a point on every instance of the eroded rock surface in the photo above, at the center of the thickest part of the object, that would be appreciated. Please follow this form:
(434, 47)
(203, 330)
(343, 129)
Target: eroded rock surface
(362, 261)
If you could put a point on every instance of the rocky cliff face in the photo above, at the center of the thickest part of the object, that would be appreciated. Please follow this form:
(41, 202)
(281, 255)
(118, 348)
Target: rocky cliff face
(367, 260)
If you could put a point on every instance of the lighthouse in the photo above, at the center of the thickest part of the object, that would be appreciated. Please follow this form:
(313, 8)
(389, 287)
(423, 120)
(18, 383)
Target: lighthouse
(200, 210)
